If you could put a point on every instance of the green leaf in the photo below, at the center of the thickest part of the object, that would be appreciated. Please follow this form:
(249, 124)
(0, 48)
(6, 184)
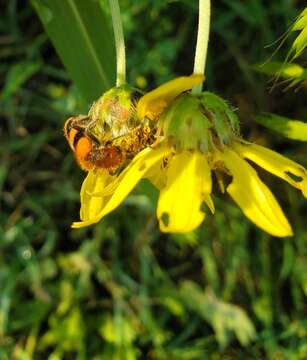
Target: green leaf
(292, 129)
(81, 33)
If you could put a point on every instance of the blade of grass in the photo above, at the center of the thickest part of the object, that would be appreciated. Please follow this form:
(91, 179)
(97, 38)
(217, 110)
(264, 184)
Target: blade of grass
(81, 33)
(290, 128)
(300, 42)
(291, 72)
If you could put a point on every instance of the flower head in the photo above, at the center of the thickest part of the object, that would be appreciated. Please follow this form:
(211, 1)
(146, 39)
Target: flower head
(199, 136)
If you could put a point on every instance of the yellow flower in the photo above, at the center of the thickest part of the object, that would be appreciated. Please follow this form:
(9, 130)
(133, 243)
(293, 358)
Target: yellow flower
(200, 134)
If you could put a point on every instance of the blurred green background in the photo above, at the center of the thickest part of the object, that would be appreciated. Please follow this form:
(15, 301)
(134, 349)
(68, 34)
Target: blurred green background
(122, 290)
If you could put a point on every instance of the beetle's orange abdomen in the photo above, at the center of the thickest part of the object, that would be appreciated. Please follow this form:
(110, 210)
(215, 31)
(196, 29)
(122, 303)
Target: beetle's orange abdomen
(83, 148)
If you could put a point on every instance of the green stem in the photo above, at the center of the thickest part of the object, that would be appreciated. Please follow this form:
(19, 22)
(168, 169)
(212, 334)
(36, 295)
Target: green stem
(202, 41)
(119, 43)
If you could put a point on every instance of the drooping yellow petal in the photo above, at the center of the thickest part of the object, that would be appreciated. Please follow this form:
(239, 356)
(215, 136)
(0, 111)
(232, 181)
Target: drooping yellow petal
(153, 103)
(157, 174)
(279, 165)
(254, 197)
(127, 181)
(95, 181)
(181, 199)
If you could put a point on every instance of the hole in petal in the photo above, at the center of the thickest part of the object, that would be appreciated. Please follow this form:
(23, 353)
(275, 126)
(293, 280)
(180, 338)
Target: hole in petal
(165, 219)
(295, 178)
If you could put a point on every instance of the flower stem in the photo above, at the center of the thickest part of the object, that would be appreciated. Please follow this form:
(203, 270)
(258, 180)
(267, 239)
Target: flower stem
(119, 43)
(202, 41)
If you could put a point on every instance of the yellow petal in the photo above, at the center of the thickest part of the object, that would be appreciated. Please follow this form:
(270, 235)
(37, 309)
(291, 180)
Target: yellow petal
(279, 165)
(181, 199)
(157, 174)
(254, 197)
(153, 103)
(95, 181)
(127, 181)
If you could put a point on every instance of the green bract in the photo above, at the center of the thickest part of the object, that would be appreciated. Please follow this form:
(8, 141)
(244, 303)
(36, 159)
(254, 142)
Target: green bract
(185, 125)
(199, 122)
